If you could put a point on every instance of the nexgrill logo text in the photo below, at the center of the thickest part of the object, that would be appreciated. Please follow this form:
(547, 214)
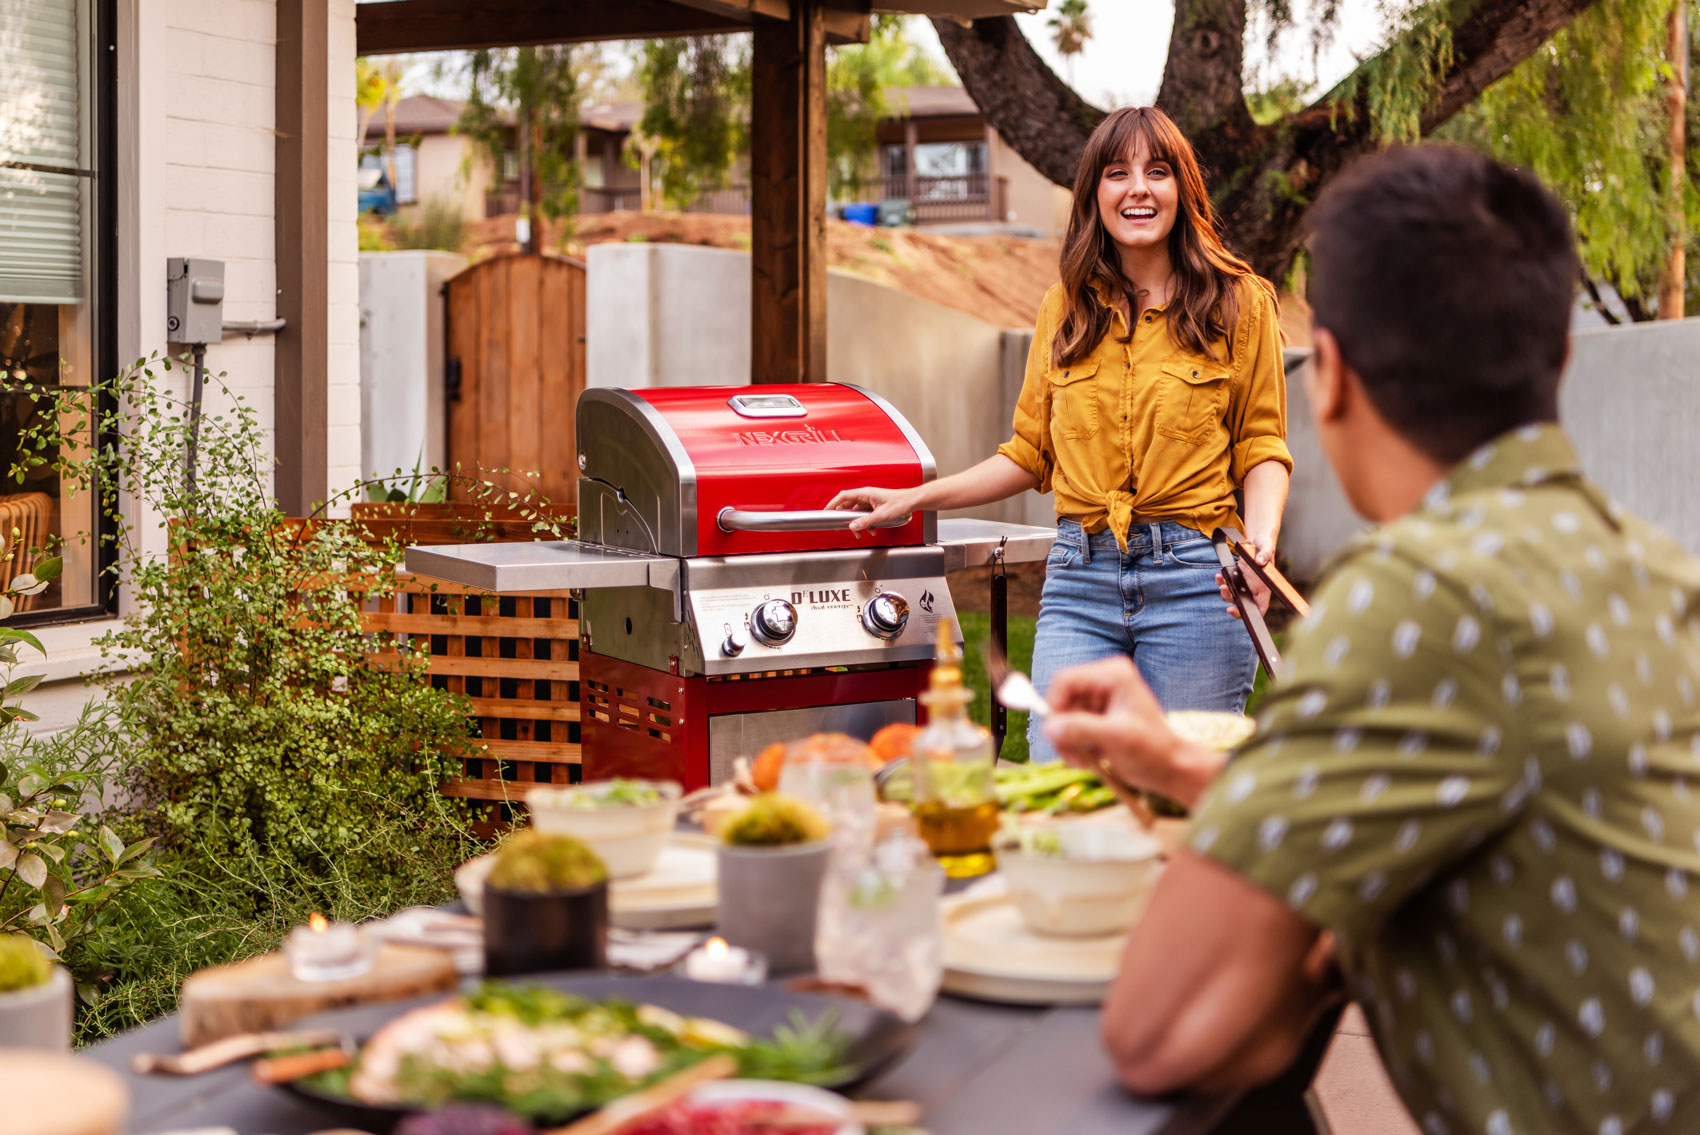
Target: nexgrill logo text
(807, 435)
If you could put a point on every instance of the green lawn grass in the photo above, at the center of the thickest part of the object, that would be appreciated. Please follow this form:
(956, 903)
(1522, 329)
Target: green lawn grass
(976, 628)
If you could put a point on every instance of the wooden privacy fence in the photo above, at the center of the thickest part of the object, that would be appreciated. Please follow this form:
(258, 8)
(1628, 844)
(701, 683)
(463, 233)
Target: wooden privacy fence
(515, 370)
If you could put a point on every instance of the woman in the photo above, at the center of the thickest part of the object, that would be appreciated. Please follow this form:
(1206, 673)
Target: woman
(1154, 391)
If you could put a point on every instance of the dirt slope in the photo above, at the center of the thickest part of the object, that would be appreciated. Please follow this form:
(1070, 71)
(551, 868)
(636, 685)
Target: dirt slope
(997, 278)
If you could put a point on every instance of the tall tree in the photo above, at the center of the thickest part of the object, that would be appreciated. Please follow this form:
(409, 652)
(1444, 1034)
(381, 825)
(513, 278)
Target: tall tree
(696, 114)
(1592, 114)
(1071, 27)
(527, 98)
(1439, 57)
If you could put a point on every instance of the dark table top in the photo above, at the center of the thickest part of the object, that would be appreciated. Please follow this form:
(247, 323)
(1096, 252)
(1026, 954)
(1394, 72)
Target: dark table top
(975, 1068)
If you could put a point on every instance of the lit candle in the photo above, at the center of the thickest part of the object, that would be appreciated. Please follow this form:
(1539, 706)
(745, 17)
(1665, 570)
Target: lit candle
(714, 960)
(327, 951)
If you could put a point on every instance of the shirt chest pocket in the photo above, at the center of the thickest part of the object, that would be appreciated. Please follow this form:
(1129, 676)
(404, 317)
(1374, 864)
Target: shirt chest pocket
(1074, 400)
(1191, 396)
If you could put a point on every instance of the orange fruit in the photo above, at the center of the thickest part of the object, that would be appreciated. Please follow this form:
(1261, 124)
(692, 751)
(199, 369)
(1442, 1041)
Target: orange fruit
(894, 741)
(765, 770)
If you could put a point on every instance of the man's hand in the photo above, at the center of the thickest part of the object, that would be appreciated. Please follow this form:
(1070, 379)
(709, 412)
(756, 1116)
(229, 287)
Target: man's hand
(881, 504)
(1105, 711)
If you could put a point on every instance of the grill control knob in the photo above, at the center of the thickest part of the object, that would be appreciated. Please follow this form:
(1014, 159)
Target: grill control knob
(773, 622)
(885, 614)
(734, 644)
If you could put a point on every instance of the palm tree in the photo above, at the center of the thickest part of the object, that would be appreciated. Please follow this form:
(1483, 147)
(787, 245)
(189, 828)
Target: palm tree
(1070, 28)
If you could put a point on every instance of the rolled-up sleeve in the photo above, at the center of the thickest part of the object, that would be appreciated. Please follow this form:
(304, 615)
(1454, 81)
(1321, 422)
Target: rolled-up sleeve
(1258, 413)
(1029, 445)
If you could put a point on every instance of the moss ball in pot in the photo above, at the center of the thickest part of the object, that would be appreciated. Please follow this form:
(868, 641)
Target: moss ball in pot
(545, 907)
(772, 858)
(36, 997)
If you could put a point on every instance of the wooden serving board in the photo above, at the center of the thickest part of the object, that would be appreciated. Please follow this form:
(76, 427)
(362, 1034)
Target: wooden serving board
(52, 1093)
(261, 993)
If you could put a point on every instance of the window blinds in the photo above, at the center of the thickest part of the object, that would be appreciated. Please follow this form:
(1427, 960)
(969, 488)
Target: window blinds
(43, 170)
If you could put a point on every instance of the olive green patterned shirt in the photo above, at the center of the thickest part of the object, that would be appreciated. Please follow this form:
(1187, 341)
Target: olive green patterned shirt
(1477, 774)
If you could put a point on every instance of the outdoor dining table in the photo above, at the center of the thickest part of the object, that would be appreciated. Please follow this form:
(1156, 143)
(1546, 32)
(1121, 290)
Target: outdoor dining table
(975, 1069)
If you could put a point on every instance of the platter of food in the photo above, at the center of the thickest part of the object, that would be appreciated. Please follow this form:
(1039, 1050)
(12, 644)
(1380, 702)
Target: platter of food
(557, 1047)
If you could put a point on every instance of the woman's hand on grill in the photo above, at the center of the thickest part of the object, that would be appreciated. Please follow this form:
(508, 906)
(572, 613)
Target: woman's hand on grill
(876, 504)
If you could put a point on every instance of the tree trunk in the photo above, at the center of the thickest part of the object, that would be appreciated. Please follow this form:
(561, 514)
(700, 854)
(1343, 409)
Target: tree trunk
(526, 177)
(1262, 178)
(1675, 279)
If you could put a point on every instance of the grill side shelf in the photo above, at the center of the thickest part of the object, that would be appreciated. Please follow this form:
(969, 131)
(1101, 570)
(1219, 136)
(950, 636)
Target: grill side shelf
(542, 566)
(970, 543)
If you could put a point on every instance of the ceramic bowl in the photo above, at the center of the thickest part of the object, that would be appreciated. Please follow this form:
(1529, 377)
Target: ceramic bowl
(628, 838)
(1077, 880)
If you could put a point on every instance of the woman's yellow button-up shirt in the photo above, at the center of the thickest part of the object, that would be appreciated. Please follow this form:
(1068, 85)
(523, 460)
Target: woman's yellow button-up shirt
(1147, 430)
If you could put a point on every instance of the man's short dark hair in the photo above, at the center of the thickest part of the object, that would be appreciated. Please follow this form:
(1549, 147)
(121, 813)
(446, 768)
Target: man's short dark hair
(1447, 278)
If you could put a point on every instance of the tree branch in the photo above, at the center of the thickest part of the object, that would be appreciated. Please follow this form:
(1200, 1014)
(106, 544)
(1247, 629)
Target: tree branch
(1203, 82)
(1038, 114)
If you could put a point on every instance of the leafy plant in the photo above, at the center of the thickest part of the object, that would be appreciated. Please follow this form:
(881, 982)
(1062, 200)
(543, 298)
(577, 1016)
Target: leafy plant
(533, 863)
(282, 758)
(437, 223)
(772, 820)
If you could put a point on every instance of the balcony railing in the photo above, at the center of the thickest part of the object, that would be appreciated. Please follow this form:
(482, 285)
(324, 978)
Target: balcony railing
(954, 197)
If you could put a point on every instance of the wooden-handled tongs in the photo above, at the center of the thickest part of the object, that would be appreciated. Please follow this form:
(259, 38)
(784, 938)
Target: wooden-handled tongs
(1236, 554)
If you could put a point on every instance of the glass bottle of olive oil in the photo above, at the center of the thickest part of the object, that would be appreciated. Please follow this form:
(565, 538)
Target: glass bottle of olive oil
(956, 803)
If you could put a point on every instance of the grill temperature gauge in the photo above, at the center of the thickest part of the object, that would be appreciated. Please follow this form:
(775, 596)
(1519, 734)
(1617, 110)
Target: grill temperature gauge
(885, 615)
(773, 622)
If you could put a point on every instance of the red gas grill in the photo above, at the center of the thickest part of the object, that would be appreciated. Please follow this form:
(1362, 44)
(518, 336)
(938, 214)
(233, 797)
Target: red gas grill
(721, 607)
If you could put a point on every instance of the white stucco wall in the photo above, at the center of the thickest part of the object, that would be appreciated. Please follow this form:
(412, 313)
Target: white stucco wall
(401, 359)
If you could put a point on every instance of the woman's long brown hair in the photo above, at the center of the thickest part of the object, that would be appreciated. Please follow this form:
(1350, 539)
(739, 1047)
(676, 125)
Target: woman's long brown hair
(1202, 308)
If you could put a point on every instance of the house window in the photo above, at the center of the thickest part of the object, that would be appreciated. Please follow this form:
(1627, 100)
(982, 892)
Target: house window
(406, 177)
(951, 169)
(510, 165)
(57, 295)
(894, 162)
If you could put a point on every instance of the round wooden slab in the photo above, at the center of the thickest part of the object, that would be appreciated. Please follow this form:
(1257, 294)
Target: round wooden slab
(51, 1093)
(261, 993)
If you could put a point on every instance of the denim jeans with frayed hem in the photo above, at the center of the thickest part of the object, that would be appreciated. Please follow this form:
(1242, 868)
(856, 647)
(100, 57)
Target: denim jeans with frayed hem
(1157, 604)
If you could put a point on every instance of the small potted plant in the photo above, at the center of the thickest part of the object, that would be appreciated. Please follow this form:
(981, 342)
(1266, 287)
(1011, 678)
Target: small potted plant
(35, 997)
(772, 857)
(545, 906)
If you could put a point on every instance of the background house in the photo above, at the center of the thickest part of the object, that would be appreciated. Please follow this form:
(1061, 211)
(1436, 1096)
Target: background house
(935, 151)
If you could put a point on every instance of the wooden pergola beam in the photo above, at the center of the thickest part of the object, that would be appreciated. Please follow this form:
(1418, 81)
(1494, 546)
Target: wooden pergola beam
(443, 25)
(788, 199)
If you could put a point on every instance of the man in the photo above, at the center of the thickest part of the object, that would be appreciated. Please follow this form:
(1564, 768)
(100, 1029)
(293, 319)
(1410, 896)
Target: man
(1475, 777)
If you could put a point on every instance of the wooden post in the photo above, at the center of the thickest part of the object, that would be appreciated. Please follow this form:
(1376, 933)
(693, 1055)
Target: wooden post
(1675, 276)
(788, 199)
(302, 200)
(909, 183)
(993, 213)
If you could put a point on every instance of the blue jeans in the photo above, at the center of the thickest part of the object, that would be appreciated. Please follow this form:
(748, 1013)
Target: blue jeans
(1157, 604)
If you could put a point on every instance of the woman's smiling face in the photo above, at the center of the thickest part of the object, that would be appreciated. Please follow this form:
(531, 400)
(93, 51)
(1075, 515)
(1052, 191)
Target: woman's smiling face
(1138, 199)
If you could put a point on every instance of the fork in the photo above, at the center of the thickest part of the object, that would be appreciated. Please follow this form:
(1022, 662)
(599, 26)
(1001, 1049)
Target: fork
(1017, 691)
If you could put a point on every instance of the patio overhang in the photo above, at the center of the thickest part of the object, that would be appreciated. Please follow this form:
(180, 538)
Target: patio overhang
(787, 128)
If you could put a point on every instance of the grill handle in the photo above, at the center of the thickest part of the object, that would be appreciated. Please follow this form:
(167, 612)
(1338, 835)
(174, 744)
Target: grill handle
(806, 520)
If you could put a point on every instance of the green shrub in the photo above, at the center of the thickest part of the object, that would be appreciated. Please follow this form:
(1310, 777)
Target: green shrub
(283, 759)
(438, 223)
(22, 964)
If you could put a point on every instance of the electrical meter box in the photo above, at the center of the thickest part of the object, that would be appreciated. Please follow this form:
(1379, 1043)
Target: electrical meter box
(194, 300)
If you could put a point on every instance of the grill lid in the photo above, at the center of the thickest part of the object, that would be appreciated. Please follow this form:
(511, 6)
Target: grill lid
(733, 470)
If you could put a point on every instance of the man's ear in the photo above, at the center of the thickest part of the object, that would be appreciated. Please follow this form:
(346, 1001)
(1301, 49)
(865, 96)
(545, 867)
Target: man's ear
(1325, 378)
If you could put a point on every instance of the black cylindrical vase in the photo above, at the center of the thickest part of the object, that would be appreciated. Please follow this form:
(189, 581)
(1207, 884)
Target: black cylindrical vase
(531, 933)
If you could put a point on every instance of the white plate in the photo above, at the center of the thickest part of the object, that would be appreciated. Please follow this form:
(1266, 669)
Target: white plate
(990, 953)
(681, 891)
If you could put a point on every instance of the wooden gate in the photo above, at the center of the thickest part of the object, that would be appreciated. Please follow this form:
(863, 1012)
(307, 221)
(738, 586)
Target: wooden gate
(515, 369)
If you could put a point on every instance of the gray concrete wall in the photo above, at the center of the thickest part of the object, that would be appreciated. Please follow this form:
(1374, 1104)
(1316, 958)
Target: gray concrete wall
(401, 359)
(1631, 401)
(678, 315)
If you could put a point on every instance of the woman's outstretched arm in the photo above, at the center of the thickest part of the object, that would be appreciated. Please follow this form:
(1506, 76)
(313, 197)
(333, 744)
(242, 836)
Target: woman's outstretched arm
(994, 479)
